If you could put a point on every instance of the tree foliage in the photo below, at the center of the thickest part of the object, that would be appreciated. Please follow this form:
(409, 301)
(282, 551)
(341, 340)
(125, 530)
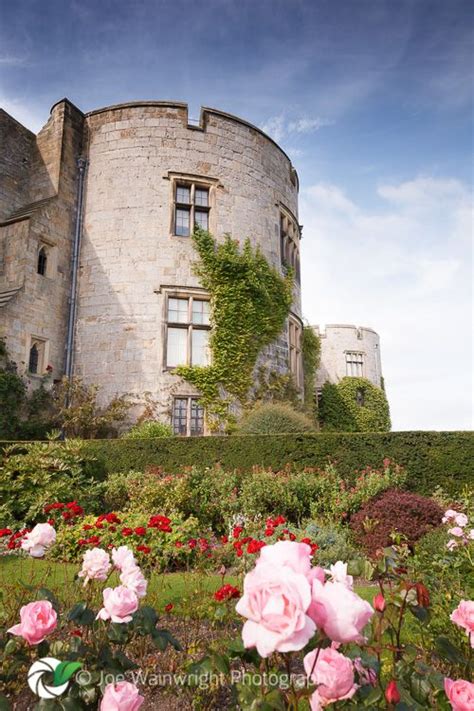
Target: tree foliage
(354, 405)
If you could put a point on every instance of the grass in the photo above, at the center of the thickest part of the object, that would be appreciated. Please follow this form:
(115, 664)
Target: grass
(188, 592)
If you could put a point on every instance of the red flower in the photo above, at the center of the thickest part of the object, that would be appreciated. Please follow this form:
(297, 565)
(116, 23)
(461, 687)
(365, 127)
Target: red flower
(5, 532)
(392, 694)
(50, 521)
(140, 531)
(112, 529)
(292, 537)
(224, 540)
(379, 602)
(237, 531)
(87, 527)
(82, 542)
(226, 592)
(255, 546)
(76, 633)
(192, 543)
(269, 531)
(144, 549)
(127, 531)
(99, 525)
(169, 607)
(179, 544)
(93, 540)
(110, 518)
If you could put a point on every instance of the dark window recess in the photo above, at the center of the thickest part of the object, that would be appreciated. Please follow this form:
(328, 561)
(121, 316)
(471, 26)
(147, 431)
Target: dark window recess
(34, 359)
(197, 419)
(188, 417)
(180, 416)
(42, 261)
(360, 397)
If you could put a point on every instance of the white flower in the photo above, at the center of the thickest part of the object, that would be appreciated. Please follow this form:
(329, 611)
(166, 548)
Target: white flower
(451, 544)
(338, 573)
(96, 565)
(123, 558)
(133, 579)
(36, 541)
(471, 534)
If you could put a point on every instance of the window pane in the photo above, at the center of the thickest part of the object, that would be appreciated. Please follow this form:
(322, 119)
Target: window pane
(201, 197)
(201, 312)
(176, 347)
(182, 222)
(183, 194)
(201, 219)
(177, 310)
(197, 419)
(34, 358)
(200, 350)
(180, 416)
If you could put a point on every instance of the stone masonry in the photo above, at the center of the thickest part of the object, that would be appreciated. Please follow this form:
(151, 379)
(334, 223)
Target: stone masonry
(342, 345)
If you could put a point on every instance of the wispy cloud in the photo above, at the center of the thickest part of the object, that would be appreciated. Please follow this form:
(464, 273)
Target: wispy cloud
(13, 60)
(280, 127)
(405, 270)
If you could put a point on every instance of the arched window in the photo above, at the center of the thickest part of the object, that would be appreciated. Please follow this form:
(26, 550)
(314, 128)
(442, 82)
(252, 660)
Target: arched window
(42, 261)
(360, 397)
(34, 359)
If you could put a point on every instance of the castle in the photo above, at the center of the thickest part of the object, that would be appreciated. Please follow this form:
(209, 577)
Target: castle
(96, 260)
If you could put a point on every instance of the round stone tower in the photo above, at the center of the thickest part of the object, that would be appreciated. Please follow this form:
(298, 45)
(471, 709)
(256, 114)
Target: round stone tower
(152, 175)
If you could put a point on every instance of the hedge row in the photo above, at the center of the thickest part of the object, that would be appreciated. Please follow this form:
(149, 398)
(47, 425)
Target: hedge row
(432, 458)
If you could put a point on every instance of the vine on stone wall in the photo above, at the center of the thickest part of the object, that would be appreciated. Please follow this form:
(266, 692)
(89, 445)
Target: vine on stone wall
(311, 351)
(354, 405)
(249, 302)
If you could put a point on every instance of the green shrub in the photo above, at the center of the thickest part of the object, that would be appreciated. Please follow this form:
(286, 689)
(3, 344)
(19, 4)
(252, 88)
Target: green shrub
(334, 543)
(273, 418)
(148, 430)
(37, 473)
(354, 405)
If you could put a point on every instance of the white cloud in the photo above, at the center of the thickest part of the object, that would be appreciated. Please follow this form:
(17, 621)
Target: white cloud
(405, 270)
(280, 127)
(22, 112)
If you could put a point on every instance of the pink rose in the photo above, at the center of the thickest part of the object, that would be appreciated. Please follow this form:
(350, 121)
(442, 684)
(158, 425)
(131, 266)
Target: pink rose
(338, 573)
(122, 696)
(463, 616)
(460, 694)
(133, 579)
(296, 556)
(333, 674)
(449, 515)
(38, 619)
(460, 520)
(450, 545)
(119, 604)
(96, 565)
(123, 557)
(275, 603)
(339, 612)
(36, 541)
(456, 531)
(471, 534)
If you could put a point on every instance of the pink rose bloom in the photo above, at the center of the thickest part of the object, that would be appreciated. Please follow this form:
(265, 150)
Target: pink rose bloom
(38, 619)
(296, 556)
(463, 616)
(333, 674)
(460, 520)
(122, 696)
(36, 541)
(119, 604)
(275, 603)
(96, 565)
(338, 573)
(339, 612)
(133, 579)
(450, 545)
(123, 557)
(471, 534)
(449, 515)
(460, 694)
(456, 531)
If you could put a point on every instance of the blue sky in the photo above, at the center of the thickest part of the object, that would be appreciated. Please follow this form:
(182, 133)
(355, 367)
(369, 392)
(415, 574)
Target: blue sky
(373, 101)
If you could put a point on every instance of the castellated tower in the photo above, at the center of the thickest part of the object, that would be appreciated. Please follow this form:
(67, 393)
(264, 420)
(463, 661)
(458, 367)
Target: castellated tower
(348, 351)
(149, 176)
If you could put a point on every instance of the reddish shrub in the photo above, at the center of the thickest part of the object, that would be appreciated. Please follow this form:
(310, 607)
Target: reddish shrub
(394, 511)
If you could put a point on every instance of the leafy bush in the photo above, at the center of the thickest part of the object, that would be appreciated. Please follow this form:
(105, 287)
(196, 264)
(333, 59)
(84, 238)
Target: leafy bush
(148, 430)
(272, 418)
(35, 473)
(394, 511)
(354, 405)
(334, 543)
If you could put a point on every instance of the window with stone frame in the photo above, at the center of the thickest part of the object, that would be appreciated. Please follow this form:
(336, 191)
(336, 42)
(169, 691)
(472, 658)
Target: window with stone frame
(295, 337)
(187, 417)
(290, 244)
(37, 356)
(354, 364)
(187, 331)
(42, 264)
(191, 207)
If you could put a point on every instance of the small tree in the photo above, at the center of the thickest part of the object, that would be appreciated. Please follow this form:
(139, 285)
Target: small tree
(80, 415)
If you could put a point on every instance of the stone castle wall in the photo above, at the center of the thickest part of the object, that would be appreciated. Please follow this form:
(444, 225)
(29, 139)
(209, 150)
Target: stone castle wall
(339, 339)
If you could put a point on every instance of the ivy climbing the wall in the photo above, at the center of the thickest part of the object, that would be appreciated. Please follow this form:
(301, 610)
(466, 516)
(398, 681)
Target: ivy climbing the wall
(311, 350)
(250, 301)
(354, 405)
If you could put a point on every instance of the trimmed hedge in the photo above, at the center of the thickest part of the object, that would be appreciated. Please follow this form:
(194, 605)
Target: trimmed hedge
(432, 458)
